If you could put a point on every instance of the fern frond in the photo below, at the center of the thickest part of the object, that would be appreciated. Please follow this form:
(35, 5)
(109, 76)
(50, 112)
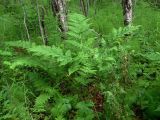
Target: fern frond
(24, 62)
(40, 102)
(5, 53)
(84, 111)
(78, 25)
(61, 107)
(46, 51)
(153, 56)
(53, 52)
(42, 86)
(122, 32)
(22, 44)
(50, 54)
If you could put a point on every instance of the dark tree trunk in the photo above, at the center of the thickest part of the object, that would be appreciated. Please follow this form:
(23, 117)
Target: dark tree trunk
(41, 18)
(85, 4)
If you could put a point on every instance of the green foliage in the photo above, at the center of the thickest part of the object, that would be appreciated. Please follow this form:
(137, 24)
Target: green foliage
(96, 74)
(79, 65)
(84, 111)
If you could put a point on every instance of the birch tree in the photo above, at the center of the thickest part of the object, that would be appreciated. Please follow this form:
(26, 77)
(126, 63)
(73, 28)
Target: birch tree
(127, 11)
(60, 11)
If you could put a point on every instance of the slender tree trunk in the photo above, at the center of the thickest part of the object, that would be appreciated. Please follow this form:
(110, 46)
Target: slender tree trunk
(127, 11)
(42, 27)
(95, 6)
(84, 4)
(25, 20)
(60, 11)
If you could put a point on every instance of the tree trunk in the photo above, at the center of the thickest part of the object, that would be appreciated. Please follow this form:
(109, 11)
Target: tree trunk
(25, 19)
(127, 11)
(84, 4)
(59, 10)
(42, 27)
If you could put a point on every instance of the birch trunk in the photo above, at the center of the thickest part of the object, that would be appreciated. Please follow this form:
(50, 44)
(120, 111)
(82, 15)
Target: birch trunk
(127, 11)
(59, 10)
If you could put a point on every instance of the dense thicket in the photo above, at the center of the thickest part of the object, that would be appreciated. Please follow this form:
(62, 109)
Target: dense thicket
(77, 60)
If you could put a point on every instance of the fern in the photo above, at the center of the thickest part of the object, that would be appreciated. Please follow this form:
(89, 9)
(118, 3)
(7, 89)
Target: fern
(84, 111)
(45, 52)
(75, 27)
(154, 56)
(15, 105)
(5, 53)
(40, 102)
(78, 31)
(78, 63)
(26, 61)
(22, 44)
(61, 107)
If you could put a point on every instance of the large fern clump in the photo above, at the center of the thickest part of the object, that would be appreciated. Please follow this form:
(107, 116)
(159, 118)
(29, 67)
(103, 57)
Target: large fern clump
(65, 68)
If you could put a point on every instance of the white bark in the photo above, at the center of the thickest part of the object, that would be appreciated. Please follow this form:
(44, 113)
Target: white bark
(127, 11)
(62, 14)
(59, 9)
